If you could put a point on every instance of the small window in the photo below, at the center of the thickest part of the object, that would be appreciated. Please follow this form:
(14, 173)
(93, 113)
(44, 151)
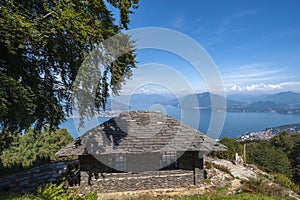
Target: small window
(118, 162)
(168, 160)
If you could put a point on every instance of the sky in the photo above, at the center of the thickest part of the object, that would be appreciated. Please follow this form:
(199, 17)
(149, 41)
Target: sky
(255, 44)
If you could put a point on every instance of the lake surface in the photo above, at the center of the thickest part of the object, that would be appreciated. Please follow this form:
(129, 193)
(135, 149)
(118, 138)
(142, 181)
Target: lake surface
(235, 123)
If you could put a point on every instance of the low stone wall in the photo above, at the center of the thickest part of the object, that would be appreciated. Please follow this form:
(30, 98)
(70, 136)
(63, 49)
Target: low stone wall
(29, 180)
(111, 182)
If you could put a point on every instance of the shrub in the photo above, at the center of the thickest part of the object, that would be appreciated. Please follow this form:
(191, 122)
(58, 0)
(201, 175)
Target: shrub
(90, 196)
(52, 191)
(58, 192)
(260, 186)
(284, 181)
(207, 181)
(208, 165)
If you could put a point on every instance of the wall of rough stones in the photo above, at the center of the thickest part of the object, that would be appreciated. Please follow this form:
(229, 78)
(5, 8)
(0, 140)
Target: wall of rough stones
(140, 181)
(29, 180)
(96, 176)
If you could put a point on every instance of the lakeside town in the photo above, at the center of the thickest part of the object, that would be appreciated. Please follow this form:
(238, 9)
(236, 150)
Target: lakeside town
(268, 133)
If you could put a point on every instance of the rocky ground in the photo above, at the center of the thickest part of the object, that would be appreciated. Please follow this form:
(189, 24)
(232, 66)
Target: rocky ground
(220, 174)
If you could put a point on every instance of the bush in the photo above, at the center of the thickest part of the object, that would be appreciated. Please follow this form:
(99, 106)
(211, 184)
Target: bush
(52, 192)
(207, 181)
(32, 147)
(232, 147)
(58, 192)
(284, 181)
(208, 165)
(264, 187)
(90, 196)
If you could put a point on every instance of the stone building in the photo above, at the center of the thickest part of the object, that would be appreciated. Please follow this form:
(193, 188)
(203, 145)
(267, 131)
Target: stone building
(140, 150)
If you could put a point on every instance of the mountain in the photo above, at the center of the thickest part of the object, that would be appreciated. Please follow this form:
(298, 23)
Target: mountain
(291, 98)
(112, 104)
(284, 102)
(247, 98)
(145, 101)
(266, 106)
(203, 101)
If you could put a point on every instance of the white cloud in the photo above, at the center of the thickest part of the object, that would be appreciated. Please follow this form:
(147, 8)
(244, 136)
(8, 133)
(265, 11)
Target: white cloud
(178, 22)
(262, 87)
(253, 74)
(226, 24)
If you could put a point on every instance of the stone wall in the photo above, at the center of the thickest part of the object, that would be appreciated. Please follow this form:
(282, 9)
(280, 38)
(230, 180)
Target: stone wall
(30, 179)
(129, 182)
(96, 176)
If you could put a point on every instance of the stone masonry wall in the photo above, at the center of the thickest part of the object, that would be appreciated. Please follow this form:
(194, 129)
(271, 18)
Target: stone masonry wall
(141, 181)
(29, 180)
(96, 176)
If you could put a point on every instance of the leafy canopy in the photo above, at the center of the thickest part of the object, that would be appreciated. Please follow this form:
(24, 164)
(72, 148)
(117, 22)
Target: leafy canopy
(42, 46)
(27, 149)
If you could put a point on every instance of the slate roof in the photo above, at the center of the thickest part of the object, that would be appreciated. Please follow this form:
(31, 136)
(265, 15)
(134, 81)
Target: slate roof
(140, 132)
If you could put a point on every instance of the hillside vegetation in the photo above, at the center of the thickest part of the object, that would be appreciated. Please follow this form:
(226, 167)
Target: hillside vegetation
(29, 148)
(279, 155)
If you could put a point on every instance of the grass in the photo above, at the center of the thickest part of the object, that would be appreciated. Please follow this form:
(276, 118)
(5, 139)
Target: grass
(212, 196)
(265, 187)
(284, 181)
(217, 195)
(11, 196)
(50, 192)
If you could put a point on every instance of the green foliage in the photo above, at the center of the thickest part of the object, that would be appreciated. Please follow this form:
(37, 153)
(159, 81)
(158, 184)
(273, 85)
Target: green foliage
(52, 192)
(264, 187)
(208, 165)
(272, 159)
(206, 196)
(284, 181)
(14, 96)
(42, 46)
(232, 147)
(31, 147)
(17, 197)
(207, 181)
(90, 196)
(284, 141)
(279, 155)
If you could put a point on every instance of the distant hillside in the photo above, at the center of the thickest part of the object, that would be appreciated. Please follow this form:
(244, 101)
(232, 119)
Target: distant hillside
(284, 103)
(261, 106)
(269, 133)
(291, 128)
(145, 101)
(203, 101)
(291, 98)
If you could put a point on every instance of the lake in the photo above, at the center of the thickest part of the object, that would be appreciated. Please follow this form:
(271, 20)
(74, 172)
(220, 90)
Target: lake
(235, 123)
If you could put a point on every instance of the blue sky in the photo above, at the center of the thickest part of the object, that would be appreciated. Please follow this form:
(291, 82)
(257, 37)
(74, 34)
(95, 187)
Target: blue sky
(255, 44)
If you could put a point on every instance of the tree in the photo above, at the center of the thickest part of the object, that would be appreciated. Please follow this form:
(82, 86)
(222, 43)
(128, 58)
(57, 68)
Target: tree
(284, 141)
(31, 147)
(232, 147)
(264, 154)
(42, 46)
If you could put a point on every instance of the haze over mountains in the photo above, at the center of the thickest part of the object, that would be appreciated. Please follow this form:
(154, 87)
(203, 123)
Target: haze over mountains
(283, 102)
